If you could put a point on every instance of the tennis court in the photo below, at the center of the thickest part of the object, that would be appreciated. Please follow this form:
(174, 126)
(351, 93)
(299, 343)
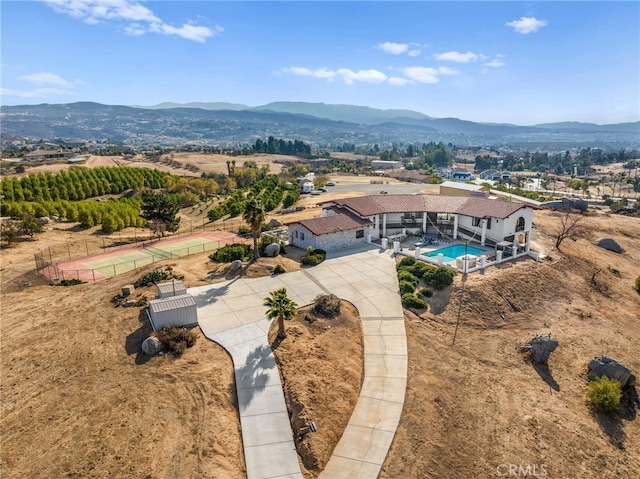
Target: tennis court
(107, 265)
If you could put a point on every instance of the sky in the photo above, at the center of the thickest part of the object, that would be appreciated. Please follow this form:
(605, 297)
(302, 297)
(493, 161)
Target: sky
(515, 62)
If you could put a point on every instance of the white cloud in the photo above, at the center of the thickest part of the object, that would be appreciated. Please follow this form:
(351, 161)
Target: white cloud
(186, 31)
(495, 63)
(96, 11)
(399, 81)
(394, 48)
(46, 78)
(413, 53)
(37, 93)
(365, 76)
(421, 74)
(457, 57)
(348, 76)
(527, 25)
(322, 73)
(447, 71)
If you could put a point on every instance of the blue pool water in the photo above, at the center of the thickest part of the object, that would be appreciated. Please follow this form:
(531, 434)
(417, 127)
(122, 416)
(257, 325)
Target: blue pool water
(452, 252)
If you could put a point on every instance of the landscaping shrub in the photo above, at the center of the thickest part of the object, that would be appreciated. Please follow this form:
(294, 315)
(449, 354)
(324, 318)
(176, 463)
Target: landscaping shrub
(439, 277)
(70, 282)
(176, 340)
(426, 292)
(279, 269)
(155, 276)
(406, 261)
(313, 256)
(419, 269)
(409, 300)
(326, 305)
(406, 276)
(406, 287)
(604, 393)
(266, 240)
(638, 284)
(231, 252)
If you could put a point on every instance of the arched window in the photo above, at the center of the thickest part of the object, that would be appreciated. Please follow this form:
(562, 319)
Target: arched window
(520, 224)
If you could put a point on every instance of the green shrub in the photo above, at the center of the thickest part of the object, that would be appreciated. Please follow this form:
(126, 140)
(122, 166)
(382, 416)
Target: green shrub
(231, 252)
(406, 276)
(638, 284)
(279, 269)
(406, 261)
(439, 277)
(409, 300)
(176, 340)
(420, 269)
(266, 240)
(327, 305)
(154, 277)
(604, 393)
(314, 257)
(406, 287)
(426, 292)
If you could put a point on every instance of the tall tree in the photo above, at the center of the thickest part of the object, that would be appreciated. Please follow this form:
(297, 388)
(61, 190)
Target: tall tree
(254, 216)
(161, 208)
(281, 307)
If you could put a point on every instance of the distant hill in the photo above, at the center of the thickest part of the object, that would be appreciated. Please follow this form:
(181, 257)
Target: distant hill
(225, 124)
(200, 105)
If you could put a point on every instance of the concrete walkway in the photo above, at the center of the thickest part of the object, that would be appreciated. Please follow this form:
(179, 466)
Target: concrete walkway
(231, 313)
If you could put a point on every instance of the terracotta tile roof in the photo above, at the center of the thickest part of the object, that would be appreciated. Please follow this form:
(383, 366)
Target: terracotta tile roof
(333, 223)
(481, 207)
(469, 206)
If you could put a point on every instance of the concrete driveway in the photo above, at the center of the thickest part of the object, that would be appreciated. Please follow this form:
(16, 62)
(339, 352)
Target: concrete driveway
(231, 313)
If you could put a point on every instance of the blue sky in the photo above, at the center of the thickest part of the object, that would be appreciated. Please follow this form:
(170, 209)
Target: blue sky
(512, 62)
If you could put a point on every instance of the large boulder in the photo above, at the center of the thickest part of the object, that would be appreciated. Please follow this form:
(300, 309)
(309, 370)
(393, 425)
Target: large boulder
(606, 366)
(274, 223)
(272, 250)
(235, 266)
(540, 348)
(151, 346)
(610, 244)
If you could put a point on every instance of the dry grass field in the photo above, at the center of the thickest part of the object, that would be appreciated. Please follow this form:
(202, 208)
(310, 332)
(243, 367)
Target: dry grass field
(78, 399)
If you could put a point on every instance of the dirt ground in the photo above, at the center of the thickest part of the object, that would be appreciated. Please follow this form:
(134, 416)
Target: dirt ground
(78, 400)
(321, 366)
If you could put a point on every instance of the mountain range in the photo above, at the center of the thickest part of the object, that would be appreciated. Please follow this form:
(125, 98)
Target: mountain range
(224, 124)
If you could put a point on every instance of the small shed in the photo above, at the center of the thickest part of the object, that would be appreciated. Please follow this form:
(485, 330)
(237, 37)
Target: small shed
(171, 288)
(174, 311)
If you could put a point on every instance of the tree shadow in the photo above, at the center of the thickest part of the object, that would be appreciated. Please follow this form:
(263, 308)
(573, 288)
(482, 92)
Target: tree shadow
(251, 378)
(612, 424)
(543, 371)
(211, 294)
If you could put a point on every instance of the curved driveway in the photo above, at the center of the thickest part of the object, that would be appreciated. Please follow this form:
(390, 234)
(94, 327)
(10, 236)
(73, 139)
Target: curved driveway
(231, 313)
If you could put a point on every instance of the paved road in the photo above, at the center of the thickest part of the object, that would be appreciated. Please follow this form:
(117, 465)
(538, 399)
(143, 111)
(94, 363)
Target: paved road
(231, 313)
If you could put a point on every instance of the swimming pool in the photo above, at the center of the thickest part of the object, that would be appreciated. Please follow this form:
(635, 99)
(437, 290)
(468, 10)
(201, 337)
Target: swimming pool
(450, 253)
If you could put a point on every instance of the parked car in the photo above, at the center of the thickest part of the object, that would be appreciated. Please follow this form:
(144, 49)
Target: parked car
(324, 190)
(331, 183)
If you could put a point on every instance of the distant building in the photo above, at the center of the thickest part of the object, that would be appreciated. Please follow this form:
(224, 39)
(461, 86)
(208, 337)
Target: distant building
(495, 175)
(385, 164)
(453, 188)
(40, 155)
(412, 176)
(462, 175)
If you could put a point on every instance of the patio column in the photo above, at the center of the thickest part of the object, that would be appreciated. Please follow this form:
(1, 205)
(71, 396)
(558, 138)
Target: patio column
(527, 244)
(515, 245)
(384, 224)
(484, 231)
(455, 226)
(377, 223)
(424, 222)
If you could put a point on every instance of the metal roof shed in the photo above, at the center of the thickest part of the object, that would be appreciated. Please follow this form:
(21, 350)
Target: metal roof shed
(171, 288)
(174, 311)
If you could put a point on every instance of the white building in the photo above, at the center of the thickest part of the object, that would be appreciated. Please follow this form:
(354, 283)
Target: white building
(385, 164)
(349, 221)
(173, 311)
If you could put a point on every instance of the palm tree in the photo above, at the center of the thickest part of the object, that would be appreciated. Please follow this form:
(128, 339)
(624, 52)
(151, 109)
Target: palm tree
(254, 216)
(280, 307)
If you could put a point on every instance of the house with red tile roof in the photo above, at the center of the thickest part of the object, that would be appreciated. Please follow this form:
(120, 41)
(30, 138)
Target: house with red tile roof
(349, 221)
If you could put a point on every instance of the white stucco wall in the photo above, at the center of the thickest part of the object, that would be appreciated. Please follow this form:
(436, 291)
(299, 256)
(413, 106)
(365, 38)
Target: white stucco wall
(509, 226)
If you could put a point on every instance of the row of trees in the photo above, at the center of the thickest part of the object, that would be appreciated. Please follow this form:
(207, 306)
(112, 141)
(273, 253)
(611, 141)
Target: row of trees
(282, 147)
(79, 183)
(269, 191)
